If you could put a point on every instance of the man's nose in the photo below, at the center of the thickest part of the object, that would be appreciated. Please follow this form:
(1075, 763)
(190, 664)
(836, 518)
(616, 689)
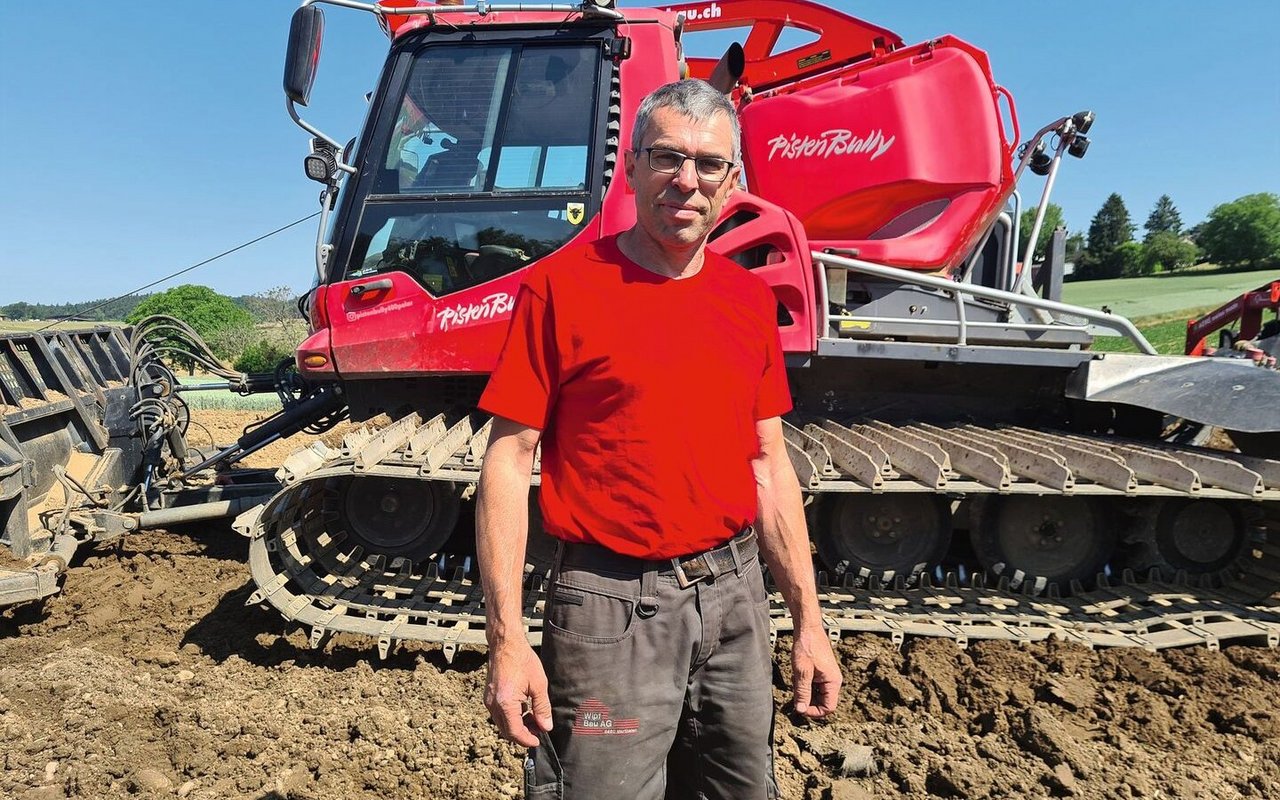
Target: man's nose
(687, 176)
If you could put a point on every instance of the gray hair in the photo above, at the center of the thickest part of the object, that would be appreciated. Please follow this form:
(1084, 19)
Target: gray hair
(693, 98)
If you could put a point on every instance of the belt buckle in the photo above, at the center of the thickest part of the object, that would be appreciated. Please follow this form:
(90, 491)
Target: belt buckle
(682, 579)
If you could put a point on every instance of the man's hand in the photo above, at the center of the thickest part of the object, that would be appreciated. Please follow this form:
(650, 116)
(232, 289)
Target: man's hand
(517, 682)
(815, 674)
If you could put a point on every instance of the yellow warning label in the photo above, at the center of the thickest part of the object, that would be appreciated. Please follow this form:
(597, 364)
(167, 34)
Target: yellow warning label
(816, 58)
(855, 325)
(575, 212)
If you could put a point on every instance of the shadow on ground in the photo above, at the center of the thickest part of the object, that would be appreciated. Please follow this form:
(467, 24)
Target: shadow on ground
(261, 637)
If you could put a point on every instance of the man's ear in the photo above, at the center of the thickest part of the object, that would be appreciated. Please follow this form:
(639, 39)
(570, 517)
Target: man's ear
(629, 167)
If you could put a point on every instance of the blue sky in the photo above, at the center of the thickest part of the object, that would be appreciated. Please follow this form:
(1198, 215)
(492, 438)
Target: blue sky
(139, 141)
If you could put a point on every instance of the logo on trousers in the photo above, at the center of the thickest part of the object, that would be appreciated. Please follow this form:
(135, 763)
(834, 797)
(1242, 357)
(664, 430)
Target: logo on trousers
(594, 718)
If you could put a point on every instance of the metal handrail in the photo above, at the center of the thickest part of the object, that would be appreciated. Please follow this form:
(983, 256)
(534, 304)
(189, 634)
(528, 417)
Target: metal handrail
(1010, 266)
(1100, 318)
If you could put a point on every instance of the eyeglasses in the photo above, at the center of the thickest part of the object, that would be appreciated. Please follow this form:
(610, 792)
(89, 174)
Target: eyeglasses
(669, 162)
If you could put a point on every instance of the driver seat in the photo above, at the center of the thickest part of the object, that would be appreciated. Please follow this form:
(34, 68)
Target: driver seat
(457, 167)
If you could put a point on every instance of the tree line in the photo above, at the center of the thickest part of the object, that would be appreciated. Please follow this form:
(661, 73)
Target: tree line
(266, 306)
(103, 310)
(1244, 233)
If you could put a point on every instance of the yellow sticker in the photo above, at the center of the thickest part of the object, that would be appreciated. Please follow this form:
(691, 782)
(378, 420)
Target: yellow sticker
(855, 325)
(575, 212)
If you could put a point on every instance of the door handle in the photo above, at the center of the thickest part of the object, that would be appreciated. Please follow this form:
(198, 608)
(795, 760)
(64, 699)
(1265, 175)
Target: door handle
(373, 286)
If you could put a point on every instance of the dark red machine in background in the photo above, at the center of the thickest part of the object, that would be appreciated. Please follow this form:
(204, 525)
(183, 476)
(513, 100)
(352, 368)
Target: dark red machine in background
(1247, 310)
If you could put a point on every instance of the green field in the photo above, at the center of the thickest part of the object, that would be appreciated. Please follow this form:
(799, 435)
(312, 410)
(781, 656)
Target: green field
(223, 400)
(1166, 332)
(1137, 298)
(1161, 305)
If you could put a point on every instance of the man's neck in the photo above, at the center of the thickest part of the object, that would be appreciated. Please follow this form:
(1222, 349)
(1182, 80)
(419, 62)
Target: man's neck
(683, 263)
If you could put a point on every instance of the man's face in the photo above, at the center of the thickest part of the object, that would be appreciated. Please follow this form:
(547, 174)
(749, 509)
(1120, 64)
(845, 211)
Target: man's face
(678, 210)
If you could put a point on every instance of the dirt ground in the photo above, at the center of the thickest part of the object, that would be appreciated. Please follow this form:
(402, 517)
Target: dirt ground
(149, 677)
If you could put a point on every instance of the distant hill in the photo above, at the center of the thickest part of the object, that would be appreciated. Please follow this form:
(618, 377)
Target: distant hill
(112, 310)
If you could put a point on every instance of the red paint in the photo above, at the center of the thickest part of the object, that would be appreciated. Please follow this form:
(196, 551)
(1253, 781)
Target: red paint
(900, 157)
(404, 331)
(789, 268)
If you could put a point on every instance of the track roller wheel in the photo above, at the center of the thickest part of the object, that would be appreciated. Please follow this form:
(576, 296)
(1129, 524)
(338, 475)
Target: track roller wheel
(883, 536)
(1199, 537)
(392, 516)
(1042, 540)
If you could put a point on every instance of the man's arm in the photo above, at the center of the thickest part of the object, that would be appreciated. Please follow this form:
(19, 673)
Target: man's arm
(516, 676)
(784, 543)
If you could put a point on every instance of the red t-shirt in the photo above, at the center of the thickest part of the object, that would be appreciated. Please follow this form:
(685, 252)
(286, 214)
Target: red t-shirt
(647, 390)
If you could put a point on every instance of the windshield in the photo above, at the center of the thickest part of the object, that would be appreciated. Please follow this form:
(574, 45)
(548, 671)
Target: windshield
(447, 251)
(493, 118)
(487, 165)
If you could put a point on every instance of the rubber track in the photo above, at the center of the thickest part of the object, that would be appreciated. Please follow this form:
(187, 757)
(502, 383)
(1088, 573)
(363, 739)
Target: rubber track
(312, 576)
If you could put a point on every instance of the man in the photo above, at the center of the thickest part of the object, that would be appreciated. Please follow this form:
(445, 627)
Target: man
(651, 371)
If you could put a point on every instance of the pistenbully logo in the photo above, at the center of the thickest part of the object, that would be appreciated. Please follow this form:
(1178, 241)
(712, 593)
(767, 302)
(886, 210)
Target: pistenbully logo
(491, 307)
(835, 142)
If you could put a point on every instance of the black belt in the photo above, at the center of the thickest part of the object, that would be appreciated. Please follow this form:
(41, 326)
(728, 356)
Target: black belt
(688, 570)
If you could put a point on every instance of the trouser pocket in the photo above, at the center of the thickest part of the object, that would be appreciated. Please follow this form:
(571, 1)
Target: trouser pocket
(543, 777)
(591, 608)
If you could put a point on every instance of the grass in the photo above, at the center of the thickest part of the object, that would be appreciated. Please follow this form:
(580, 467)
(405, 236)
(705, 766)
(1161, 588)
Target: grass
(227, 401)
(1166, 332)
(1147, 298)
(223, 400)
(1160, 305)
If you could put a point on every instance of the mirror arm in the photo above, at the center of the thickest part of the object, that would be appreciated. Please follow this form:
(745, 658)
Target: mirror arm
(319, 134)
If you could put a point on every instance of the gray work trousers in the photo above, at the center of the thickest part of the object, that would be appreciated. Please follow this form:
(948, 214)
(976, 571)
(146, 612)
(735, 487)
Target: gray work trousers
(673, 702)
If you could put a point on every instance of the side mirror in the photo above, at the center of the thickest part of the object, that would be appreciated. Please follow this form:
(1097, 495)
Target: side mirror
(306, 30)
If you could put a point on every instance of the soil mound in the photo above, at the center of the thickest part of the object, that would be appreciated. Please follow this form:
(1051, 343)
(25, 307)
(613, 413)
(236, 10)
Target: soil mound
(149, 677)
